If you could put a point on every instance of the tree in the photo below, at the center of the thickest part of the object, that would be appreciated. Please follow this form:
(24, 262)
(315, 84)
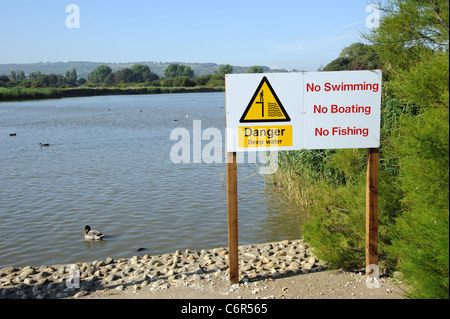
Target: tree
(203, 79)
(256, 69)
(224, 69)
(99, 75)
(339, 64)
(216, 80)
(138, 71)
(183, 81)
(148, 76)
(109, 80)
(52, 80)
(34, 75)
(21, 76)
(12, 76)
(410, 31)
(358, 56)
(142, 73)
(175, 69)
(71, 77)
(413, 46)
(123, 76)
(3, 80)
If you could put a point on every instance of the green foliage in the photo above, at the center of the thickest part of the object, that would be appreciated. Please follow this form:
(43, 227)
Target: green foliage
(99, 74)
(412, 42)
(179, 81)
(3, 80)
(330, 187)
(175, 69)
(12, 76)
(339, 64)
(421, 240)
(256, 69)
(104, 77)
(142, 73)
(71, 77)
(224, 69)
(27, 94)
(123, 76)
(409, 31)
(16, 94)
(424, 84)
(411, 46)
(337, 221)
(216, 81)
(203, 79)
(357, 56)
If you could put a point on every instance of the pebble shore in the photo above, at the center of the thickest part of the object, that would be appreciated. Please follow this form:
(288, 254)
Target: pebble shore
(187, 267)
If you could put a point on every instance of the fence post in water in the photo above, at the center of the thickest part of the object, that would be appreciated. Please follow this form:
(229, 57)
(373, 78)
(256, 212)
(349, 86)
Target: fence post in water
(233, 264)
(372, 209)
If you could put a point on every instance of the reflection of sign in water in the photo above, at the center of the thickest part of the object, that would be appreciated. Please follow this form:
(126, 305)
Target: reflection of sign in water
(265, 106)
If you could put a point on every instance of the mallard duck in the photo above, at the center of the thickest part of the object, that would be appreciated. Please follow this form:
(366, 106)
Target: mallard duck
(92, 234)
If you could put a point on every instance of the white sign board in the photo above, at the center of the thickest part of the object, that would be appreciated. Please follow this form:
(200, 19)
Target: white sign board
(342, 109)
(311, 110)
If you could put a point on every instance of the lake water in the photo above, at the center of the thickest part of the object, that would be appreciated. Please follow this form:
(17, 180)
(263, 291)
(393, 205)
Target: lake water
(109, 166)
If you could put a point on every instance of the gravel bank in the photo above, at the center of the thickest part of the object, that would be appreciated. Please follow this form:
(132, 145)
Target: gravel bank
(285, 269)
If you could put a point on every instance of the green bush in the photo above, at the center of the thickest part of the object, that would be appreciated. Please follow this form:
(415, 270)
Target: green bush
(336, 224)
(336, 228)
(421, 240)
(414, 157)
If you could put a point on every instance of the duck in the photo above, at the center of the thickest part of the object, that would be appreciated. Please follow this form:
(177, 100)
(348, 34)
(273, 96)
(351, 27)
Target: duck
(12, 134)
(92, 234)
(44, 144)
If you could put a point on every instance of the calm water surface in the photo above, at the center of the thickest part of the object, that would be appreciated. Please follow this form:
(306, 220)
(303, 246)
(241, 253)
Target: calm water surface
(109, 166)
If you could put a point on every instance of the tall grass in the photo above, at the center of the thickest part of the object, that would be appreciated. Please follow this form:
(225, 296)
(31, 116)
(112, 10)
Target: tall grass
(296, 182)
(328, 186)
(17, 94)
(29, 94)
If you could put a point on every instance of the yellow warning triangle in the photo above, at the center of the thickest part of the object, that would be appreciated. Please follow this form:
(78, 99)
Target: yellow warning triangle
(265, 106)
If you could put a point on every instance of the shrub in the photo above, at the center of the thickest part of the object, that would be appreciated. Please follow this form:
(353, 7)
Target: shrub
(421, 241)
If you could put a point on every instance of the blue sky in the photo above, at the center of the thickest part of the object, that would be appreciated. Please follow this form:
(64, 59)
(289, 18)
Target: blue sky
(290, 34)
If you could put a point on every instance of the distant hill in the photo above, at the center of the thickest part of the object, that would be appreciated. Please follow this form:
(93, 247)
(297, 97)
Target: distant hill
(84, 68)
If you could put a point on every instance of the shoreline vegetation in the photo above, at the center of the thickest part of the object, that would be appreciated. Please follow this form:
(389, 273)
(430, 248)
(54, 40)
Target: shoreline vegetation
(138, 79)
(21, 94)
(328, 185)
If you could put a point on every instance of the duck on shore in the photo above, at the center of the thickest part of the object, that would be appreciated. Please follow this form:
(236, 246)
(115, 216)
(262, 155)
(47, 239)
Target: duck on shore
(92, 234)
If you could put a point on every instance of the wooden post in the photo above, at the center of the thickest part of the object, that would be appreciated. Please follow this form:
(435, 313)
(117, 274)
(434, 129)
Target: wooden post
(232, 217)
(372, 208)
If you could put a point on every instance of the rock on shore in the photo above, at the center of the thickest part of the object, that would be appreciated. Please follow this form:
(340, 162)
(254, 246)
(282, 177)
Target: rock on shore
(256, 262)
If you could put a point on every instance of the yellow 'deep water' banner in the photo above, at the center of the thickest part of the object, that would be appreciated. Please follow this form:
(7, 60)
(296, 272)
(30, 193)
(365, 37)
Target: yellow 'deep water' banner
(265, 136)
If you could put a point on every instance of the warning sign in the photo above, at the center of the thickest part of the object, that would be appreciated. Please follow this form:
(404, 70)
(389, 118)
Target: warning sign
(265, 136)
(263, 111)
(265, 106)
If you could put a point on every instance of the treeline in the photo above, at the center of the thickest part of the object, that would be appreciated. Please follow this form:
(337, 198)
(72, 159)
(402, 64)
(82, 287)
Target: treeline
(40, 80)
(175, 75)
(411, 47)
